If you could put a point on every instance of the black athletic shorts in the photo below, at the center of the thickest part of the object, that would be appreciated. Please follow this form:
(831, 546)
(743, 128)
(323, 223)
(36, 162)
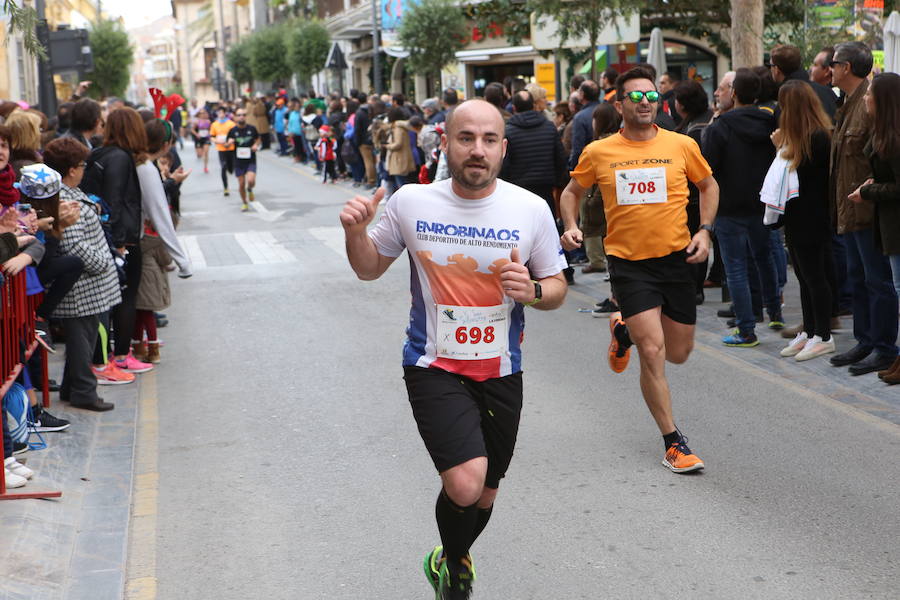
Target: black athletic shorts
(226, 160)
(460, 419)
(668, 281)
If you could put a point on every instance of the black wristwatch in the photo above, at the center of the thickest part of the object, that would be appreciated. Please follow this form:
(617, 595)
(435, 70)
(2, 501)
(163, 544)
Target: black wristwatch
(708, 228)
(537, 294)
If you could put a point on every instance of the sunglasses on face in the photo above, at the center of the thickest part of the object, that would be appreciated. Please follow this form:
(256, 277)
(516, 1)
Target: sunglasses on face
(636, 97)
(837, 62)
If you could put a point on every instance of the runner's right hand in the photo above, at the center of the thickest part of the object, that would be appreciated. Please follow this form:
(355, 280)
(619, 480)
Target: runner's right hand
(359, 212)
(571, 239)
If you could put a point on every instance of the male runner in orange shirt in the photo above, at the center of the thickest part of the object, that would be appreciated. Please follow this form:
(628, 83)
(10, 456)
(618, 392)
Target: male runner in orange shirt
(643, 173)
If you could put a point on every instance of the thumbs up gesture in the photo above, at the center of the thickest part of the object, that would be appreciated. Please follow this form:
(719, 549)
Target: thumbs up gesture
(359, 212)
(516, 280)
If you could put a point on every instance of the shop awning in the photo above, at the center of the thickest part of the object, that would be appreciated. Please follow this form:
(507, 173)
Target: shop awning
(600, 57)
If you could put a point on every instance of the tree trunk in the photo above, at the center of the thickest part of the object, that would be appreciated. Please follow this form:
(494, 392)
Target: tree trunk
(594, 34)
(746, 33)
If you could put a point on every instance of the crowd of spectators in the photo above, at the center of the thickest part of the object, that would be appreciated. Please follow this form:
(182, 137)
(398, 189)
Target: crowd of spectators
(89, 202)
(808, 162)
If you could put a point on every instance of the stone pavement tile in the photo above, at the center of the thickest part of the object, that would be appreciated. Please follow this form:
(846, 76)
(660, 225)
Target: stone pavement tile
(11, 589)
(74, 546)
(98, 551)
(96, 585)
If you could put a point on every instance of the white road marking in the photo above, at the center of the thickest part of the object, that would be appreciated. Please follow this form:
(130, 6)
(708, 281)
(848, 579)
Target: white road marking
(264, 213)
(332, 237)
(263, 248)
(192, 246)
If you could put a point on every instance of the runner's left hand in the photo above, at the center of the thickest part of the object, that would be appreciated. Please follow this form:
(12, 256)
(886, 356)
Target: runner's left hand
(516, 280)
(698, 249)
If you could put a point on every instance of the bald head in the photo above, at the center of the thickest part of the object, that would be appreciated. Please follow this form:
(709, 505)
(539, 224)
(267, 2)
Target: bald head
(474, 144)
(477, 110)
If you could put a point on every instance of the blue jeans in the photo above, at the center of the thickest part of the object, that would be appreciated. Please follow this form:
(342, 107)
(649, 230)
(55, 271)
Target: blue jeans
(742, 240)
(842, 290)
(779, 257)
(282, 142)
(895, 267)
(874, 298)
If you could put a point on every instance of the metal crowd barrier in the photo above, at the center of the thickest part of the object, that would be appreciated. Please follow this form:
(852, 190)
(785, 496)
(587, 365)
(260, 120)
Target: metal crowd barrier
(17, 343)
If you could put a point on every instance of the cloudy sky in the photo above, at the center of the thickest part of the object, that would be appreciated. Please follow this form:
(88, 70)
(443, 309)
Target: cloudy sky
(137, 12)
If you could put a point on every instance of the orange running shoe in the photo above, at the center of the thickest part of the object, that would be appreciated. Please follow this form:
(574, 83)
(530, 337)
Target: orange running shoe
(112, 375)
(680, 459)
(619, 343)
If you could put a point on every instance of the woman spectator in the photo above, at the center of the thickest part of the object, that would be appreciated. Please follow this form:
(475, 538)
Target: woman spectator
(159, 244)
(400, 161)
(25, 127)
(883, 151)
(804, 142)
(692, 105)
(563, 121)
(593, 219)
(111, 175)
(97, 289)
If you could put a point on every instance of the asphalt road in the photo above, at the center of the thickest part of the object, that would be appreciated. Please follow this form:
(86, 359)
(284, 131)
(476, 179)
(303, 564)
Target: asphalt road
(290, 466)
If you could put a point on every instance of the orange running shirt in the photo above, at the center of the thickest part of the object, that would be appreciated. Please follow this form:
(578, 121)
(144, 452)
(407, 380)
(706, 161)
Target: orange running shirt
(645, 191)
(219, 131)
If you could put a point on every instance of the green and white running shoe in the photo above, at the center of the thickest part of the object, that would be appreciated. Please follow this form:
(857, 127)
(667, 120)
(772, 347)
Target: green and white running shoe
(431, 565)
(456, 587)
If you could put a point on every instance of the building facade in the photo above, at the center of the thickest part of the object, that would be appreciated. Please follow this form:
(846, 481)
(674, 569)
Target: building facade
(155, 59)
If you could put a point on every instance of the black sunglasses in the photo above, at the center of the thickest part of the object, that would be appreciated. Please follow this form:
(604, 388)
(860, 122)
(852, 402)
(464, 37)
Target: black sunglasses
(837, 62)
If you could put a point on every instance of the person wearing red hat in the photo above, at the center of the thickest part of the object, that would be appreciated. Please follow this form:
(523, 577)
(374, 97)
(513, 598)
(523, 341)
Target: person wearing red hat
(325, 148)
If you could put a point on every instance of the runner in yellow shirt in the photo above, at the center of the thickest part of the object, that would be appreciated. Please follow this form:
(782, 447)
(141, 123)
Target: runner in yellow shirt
(224, 147)
(642, 173)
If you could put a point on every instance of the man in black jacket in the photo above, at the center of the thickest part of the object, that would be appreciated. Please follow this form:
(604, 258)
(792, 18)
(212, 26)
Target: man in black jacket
(535, 159)
(362, 138)
(739, 150)
(787, 64)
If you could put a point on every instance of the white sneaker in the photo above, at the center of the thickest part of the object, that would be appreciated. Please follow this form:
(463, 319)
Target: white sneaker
(796, 346)
(13, 480)
(814, 348)
(11, 464)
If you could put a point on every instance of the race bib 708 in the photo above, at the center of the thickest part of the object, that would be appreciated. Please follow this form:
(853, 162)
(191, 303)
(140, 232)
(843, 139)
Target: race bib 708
(641, 186)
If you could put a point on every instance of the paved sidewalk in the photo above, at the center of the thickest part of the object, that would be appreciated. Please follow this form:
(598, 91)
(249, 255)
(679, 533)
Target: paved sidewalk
(74, 547)
(866, 393)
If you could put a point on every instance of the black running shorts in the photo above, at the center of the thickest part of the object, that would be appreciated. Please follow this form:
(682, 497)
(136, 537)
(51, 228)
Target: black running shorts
(668, 281)
(460, 419)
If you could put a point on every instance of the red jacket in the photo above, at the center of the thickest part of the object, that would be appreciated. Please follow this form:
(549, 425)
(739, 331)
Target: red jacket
(325, 147)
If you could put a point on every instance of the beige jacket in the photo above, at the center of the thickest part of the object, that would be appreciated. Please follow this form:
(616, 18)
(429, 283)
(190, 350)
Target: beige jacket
(256, 115)
(400, 159)
(849, 165)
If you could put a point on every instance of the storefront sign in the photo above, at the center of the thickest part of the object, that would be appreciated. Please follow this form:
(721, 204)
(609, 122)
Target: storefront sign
(545, 75)
(545, 33)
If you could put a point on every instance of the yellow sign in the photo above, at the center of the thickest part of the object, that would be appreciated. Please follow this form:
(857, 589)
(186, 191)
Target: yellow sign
(545, 73)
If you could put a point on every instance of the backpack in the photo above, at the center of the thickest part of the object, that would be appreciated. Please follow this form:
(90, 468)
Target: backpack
(17, 408)
(350, 128)
(348, 153)
(310, 132)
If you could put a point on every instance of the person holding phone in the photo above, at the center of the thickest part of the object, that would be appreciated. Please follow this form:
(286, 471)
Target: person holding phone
(218, 130)
(245, 140)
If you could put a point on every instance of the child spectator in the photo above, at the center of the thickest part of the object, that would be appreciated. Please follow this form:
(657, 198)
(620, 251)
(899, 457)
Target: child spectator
(325, 148)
